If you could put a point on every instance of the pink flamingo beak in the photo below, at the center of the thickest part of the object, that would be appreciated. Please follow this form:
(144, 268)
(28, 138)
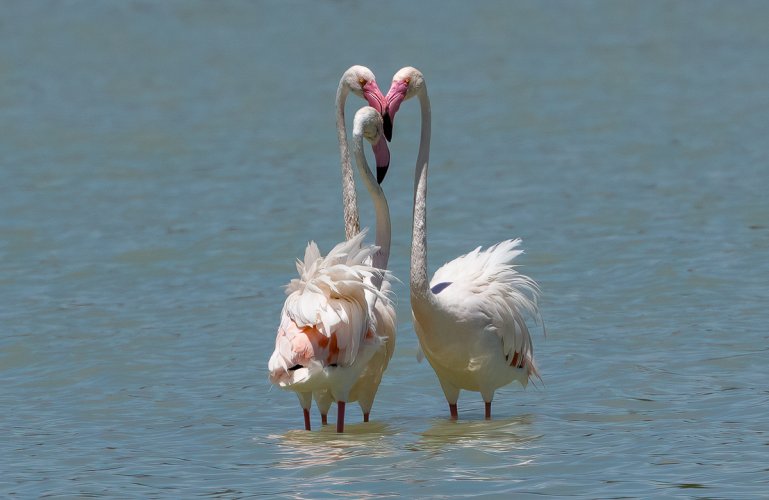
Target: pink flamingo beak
(374, 97)
(382, 157)
(395, 97)
(377, 100)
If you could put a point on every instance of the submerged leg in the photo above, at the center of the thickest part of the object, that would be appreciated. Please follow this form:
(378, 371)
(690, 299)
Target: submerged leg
(453, 411)
(323, 419)
(305, 400)
(488, 396)
(340, 416)
(365, 417)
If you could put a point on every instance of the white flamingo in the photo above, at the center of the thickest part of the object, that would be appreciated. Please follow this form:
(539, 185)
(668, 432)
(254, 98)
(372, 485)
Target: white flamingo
(361, 81)
(470, 318)
(337, 328)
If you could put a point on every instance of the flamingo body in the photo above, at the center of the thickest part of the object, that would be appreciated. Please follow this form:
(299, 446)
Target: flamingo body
(365, 388)
(473, 333)
(327, 334)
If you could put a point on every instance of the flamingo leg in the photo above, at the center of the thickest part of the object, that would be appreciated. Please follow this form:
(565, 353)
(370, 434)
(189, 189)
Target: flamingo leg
(340, 416)
(306, 419)
(453, 411)
(365, 417)
(324, 419)
(488, 410)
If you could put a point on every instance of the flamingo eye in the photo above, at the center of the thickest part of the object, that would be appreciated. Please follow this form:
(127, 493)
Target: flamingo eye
(407, 80)
(362, 82)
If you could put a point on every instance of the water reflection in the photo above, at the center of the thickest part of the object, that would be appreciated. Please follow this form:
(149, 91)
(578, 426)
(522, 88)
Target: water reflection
(498, 435)
(299, 448)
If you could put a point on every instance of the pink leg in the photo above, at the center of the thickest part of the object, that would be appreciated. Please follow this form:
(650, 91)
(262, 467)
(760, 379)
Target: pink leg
(365, 417)
(324, 419)
(340, 416)
(453, 411)
(306, 419)
(488, 410)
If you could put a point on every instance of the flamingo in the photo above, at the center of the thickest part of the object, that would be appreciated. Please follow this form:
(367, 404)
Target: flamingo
(361, 81)
(337, 328)
(470, 318)
(368, 123)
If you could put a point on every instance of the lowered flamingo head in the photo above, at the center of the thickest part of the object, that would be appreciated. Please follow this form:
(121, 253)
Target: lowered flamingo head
(369, 124)
(407, 83)
(361, 82)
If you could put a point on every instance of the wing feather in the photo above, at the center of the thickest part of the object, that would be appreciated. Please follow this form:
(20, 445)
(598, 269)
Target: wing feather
(486, 286)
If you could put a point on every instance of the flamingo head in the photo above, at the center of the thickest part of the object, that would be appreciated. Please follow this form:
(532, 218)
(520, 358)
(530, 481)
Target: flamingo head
(361, 82)
(407, 83)
(369, 124)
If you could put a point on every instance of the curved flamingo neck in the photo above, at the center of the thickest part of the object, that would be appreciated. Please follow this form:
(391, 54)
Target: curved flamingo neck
(381, 208)
(349, 198)
(419, 282)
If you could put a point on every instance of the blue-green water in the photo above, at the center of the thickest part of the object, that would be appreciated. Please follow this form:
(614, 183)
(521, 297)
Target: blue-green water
(163, 163)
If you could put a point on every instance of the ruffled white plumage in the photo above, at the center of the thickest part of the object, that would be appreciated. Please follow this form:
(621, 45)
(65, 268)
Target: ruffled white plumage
(328, 332)
(476, 337)
(486, 287)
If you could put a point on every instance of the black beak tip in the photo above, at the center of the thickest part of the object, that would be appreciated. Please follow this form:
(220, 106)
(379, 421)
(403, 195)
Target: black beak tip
(387, 125)
(380, 173)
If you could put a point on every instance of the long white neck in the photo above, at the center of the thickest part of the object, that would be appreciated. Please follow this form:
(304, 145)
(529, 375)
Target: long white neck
(349, 199)
(383, 227)
(419, 282)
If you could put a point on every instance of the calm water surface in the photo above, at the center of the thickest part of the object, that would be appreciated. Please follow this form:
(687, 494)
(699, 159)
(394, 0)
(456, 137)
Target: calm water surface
(163, 163)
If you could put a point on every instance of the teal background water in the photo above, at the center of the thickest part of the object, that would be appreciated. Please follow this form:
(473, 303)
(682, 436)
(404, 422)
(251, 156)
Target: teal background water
(162, 164)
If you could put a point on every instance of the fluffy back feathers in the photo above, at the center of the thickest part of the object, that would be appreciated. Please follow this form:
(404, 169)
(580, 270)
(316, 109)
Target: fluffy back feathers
(333, 296)
(485, 282)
